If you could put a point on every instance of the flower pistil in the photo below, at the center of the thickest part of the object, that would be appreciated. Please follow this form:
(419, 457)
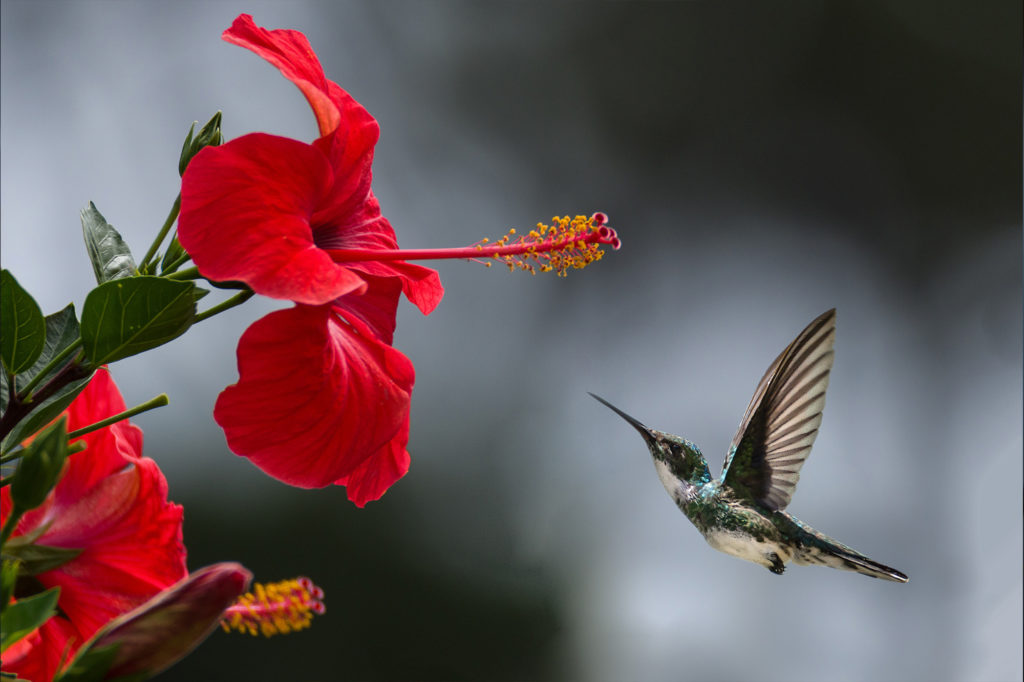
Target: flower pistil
(566, 244)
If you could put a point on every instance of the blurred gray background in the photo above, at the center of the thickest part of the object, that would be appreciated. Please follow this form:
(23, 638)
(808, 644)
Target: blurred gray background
(761, 162)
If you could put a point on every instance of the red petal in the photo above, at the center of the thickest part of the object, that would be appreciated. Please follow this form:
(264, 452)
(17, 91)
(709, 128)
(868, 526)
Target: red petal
(315, 397)
(290, 52)
(422, 286)
(375, 308)
(131, 541)
(38, 655)
(371, 479)
(245, 211)
(110, 448)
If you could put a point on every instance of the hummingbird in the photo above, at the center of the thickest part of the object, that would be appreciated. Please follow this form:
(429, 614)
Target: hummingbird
(743, 512)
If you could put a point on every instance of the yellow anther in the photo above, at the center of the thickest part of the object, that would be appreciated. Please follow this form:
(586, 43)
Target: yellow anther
(275, 608)
(567, 243)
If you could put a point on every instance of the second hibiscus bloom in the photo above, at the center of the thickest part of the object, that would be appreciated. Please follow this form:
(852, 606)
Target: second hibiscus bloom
(110, 503)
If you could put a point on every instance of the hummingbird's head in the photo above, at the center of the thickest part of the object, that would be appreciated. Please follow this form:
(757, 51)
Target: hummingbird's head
(677, 460)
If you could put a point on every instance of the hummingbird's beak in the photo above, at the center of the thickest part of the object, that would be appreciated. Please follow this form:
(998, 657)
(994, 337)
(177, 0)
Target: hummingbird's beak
(635, 423)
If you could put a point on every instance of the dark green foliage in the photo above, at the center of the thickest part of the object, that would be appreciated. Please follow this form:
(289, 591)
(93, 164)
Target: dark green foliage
(22, 329)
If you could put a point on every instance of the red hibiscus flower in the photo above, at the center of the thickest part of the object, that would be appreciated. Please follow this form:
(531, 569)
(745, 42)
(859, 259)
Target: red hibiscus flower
(110, 503)
(322, 396)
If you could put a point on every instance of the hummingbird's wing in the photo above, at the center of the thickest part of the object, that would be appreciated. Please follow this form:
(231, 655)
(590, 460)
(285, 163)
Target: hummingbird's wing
(782, 419)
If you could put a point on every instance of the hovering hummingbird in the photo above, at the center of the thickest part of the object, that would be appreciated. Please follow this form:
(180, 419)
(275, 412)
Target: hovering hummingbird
(742, 513)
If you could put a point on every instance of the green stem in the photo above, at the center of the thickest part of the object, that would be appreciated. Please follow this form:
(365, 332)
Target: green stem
(50, 366)
(171, 217)
(72, 449)
(10, 523)
(154, 403)
(236, 300)
(191, 273)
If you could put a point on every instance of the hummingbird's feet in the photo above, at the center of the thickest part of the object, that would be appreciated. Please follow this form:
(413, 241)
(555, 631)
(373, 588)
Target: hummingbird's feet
(777, 566)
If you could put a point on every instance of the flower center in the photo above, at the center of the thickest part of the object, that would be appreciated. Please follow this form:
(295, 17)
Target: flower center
(275, 608)
(566, 244)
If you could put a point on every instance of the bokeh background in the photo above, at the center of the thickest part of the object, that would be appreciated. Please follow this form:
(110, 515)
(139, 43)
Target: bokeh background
(761, 162)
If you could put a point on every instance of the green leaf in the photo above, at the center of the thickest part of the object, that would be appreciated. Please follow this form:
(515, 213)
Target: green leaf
(5, 392)
(40, 467)
(61, 331)
(25, 615)
(129, 316)
(22, 330)
(36, 559)
(111, 258)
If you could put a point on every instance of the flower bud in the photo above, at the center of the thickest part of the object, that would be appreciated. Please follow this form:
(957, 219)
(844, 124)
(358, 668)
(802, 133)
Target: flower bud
(209, 136)
(161, 631)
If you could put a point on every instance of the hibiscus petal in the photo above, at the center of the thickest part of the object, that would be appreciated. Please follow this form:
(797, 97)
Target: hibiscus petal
(422, 286)
(245, 210)
(371, 479)
(39, 654)
(131, 541)
(110, 448)
(316, 396)
(291, 52)
(375, 307)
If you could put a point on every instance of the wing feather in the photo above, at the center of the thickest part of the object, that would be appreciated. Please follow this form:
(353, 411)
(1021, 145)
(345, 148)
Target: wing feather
(783, 417)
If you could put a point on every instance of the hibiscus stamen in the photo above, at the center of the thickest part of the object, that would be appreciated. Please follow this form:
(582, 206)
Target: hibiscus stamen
(275, 608)
(566, 244)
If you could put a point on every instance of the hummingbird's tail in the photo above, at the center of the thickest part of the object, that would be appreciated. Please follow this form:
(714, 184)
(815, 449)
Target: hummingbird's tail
(817, 549)
(849, 560)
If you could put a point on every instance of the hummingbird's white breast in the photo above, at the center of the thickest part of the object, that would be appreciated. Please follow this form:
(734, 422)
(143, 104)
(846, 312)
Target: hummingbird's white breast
(746, 547)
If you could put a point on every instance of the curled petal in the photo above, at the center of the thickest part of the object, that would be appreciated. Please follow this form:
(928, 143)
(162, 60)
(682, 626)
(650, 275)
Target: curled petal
(245, 215)
(290, 52)
(316, 396)
(422, 286)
